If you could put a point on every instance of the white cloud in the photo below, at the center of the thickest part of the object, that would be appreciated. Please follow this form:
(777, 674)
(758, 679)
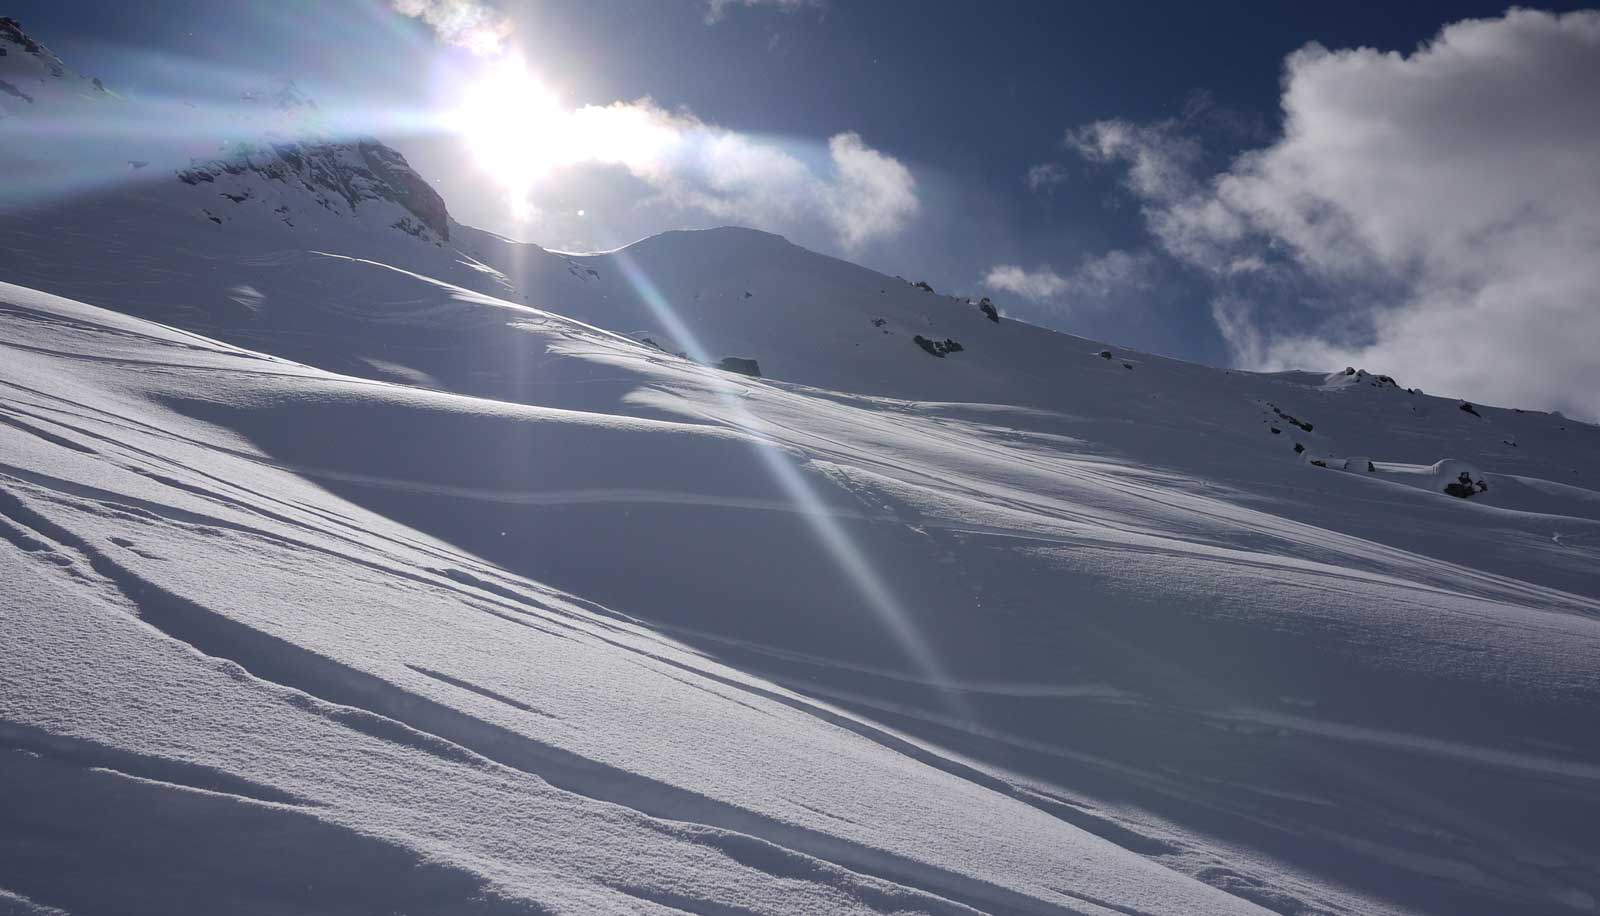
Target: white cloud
(717, 9)
(1457, 184)
(868, 195)
(474, 26)
(1095, 279)
(1038, 285)
(872, 194)
(1045, 176)
(1160, 156)
(694, 167)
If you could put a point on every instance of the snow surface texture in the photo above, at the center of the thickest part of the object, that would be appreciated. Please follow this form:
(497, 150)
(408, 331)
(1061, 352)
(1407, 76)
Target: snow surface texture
(351, 568)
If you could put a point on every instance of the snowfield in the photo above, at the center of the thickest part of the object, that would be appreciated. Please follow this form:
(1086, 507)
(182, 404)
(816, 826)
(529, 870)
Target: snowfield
(359, 562)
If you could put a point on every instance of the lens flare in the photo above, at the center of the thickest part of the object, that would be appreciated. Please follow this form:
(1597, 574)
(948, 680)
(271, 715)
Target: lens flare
(841, 548)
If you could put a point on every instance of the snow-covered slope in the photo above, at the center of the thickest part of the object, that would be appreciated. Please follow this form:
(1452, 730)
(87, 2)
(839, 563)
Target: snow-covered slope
(355, 569)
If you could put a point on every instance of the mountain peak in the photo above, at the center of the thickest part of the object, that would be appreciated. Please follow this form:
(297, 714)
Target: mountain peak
(29, 61)
(285, 97)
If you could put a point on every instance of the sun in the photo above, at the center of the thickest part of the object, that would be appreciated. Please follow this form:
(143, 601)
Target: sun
(515, 126)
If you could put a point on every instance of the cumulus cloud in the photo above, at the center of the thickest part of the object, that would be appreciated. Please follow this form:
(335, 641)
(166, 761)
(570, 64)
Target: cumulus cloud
(871, 194)
(1094, 280)
(1447, 199)
(717, 9)
(479, 28)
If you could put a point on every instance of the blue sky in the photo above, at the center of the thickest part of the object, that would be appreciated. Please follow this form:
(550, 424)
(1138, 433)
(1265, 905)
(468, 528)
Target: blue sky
(1131, 118)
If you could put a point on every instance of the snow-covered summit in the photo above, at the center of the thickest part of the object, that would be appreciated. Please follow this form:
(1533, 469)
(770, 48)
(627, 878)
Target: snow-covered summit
(271, 153)
(28, 58)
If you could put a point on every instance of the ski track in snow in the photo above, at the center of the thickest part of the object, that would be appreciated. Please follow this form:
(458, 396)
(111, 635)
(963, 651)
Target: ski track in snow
(885, 493)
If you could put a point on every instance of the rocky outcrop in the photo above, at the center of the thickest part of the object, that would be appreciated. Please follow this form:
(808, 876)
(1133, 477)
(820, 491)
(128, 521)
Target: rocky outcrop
(939, 348)
(288, 141)
(404, 186)
(987, 308)
(1352, 375)
(741, 365)
(354, 173)
(1287, 417)
(11, 31)
(1465, 487)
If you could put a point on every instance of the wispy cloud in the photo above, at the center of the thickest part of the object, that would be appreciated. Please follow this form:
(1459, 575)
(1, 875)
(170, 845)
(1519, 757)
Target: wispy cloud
(716, 10)
(1045, 176)
(1038, 285)
(1093, 281)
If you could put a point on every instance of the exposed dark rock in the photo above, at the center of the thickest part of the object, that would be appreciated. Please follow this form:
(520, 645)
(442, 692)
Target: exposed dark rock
(1467, 406)
(1127, 365)
(1290, 419)
(939, 348)
(740, 365)
(878, 322)
(12, 29)
(987, 307)
(1105, 354)
(923, 285)
(412, 191)
(1318, 462)
(1376, 381)
(9, 89)
(1464, 486)
(410, 227)
(1274, 430)
(1298, 448)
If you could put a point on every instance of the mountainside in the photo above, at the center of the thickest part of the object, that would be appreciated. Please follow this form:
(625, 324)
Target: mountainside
(361, 561)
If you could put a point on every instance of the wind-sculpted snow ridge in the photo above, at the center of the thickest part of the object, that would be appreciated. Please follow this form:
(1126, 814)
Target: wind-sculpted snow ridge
(305, 611)
(200, 635)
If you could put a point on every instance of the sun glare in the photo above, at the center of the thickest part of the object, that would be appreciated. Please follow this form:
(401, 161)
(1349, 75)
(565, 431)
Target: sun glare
(515, 126)
(519, 130)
